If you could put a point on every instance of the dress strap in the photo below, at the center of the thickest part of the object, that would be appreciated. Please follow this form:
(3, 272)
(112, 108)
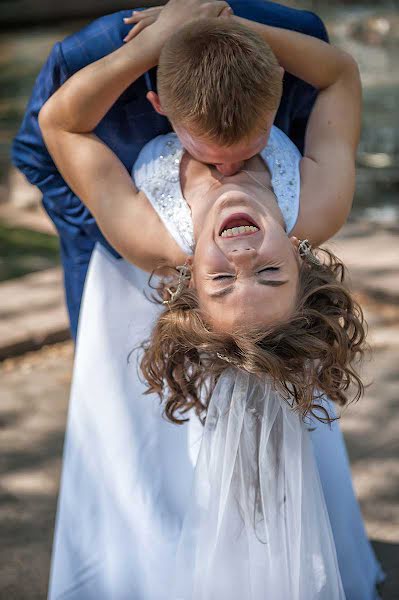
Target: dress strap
(282, 158)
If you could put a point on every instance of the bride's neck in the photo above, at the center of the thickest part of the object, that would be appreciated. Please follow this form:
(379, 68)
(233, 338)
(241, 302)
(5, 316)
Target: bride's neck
(200, 183)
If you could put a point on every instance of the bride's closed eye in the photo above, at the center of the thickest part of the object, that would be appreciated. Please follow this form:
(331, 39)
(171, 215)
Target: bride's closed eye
(229, 276)
(219, 277)
(273, 269)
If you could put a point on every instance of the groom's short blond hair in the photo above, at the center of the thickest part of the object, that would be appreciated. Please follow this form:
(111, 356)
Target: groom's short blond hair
(219, 80)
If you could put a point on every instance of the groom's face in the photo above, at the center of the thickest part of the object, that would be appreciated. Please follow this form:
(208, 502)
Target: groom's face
(228, 160)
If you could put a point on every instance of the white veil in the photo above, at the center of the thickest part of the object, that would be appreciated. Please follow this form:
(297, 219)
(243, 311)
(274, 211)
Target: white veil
(256, 527)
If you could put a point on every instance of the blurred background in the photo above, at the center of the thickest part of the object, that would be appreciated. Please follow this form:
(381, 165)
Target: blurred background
(35, 351)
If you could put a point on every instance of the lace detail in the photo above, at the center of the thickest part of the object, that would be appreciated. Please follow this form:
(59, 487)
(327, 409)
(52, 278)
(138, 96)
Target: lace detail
(157, 173)
(282, 158)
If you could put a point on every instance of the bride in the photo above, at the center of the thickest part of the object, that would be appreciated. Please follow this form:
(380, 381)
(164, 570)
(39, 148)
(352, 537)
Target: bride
(130, 524)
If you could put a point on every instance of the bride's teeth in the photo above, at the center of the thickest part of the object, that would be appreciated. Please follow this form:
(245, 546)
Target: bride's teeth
(238, 230)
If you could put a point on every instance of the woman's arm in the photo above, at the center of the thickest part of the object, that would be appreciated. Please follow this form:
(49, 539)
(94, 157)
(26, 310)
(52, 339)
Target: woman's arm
(92, 170)
(332, 135)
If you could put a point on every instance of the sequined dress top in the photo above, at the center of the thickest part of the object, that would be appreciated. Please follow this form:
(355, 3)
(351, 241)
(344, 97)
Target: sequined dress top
(157, 173)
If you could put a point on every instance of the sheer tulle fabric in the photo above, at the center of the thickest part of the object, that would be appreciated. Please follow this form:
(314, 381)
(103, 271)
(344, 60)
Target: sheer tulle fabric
(257, 525)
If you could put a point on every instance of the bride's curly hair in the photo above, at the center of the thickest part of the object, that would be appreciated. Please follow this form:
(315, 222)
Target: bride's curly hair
(313, 353)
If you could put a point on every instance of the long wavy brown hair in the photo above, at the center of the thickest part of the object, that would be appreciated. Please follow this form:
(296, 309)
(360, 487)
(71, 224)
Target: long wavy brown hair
(314, 353)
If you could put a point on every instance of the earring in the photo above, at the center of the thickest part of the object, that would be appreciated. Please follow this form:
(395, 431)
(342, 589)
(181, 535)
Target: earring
(306, 253)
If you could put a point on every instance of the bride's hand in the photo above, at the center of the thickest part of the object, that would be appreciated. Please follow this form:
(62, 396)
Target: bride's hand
(141, 19)
(199, 9)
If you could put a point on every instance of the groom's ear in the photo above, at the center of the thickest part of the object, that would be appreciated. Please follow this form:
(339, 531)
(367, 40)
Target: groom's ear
(153, 98)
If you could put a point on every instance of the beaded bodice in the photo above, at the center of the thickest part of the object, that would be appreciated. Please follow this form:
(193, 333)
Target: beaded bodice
(157, 173)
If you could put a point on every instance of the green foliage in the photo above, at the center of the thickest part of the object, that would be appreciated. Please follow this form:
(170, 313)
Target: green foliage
(23, 251)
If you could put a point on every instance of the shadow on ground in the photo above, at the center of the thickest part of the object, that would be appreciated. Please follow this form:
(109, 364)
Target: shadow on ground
(388, 555)
(33, 402)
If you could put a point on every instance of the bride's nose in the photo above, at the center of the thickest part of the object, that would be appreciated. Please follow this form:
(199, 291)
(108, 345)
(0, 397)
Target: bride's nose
(243, 256)
(228, 169)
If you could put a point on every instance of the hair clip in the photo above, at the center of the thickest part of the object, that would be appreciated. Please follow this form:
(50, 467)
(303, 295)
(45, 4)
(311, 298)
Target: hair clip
(306, 252)
(184, 276)
(223, 357)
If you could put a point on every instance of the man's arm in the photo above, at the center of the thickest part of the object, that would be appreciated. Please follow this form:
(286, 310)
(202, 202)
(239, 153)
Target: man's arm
(332, 134)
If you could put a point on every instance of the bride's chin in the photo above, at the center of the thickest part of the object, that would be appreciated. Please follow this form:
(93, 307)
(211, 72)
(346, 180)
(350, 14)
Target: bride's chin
(234, 204)
(233, 198)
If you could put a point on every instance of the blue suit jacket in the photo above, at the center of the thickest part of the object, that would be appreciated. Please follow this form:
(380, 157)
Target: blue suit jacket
(129, 124)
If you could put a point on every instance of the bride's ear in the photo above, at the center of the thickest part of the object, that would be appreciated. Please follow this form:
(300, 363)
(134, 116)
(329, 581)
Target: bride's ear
(153, 98)
(295, 244)
(189, 263)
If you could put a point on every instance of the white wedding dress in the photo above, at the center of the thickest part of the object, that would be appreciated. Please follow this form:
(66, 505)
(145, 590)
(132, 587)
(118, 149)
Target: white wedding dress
(252, 505)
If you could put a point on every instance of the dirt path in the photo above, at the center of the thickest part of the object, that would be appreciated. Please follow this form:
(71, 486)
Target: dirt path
(33, 409)
(33, 405)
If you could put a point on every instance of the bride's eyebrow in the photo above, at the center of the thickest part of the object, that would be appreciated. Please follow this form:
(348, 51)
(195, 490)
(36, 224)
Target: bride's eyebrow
(227, 290)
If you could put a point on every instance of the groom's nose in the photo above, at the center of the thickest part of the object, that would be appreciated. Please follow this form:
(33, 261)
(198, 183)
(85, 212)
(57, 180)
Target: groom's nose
(229, 169)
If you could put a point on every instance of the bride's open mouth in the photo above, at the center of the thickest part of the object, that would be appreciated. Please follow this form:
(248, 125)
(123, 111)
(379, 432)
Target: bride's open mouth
(238, 225)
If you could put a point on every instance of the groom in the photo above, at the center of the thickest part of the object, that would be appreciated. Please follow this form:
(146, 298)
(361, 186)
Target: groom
(132, 122)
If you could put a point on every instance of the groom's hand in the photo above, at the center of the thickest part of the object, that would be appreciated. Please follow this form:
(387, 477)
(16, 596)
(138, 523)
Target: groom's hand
(176, 13)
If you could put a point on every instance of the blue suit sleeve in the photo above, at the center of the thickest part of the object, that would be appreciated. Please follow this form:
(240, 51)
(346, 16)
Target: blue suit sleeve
(29, 153)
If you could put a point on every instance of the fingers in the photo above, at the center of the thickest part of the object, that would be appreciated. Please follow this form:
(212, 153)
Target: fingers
(144, 18)
(227, 12)
(219, 9)
(139, 27)
(139, 15)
